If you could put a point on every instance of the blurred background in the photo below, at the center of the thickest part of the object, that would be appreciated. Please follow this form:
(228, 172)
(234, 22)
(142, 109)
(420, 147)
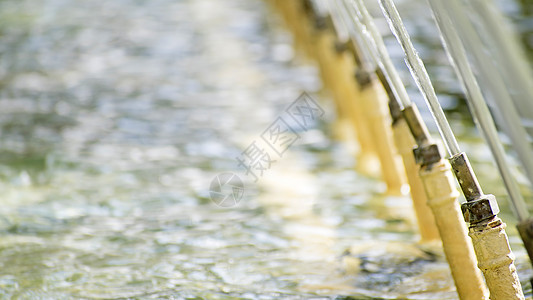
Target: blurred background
(115, 116)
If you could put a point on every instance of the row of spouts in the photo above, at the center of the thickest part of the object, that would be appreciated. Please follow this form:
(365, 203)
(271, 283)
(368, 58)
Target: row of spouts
(356, 67)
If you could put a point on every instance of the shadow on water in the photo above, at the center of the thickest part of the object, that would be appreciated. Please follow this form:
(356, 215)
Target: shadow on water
(114, 119)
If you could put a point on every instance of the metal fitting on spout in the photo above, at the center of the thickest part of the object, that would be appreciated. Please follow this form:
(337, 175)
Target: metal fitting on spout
(481, 209)
(363, 77)
(466, 177)
(426, 153)
(353, 51)
(348, 45)
(394, 104)
(395, 110)
(416, 124)
(319, 21)
(478, 206)
(341, 46)
(308, 8)
(325, 22)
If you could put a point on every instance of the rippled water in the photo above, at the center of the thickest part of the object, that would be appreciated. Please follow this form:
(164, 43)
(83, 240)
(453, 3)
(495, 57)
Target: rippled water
(116, 115)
